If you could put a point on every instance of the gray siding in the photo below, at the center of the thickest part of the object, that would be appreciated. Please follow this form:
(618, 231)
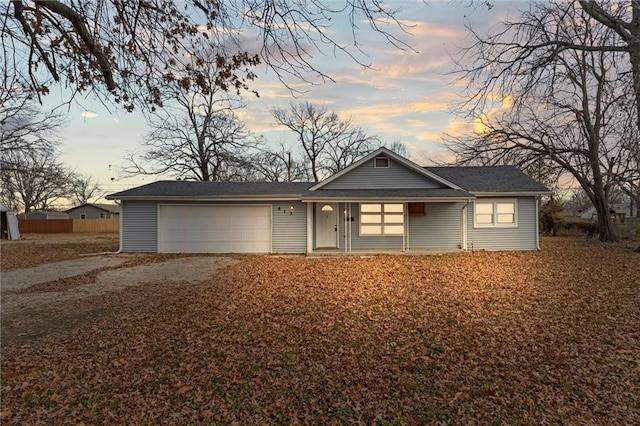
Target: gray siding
(140, 222)
(368, 177)
(139, 226)
(522, 237)
(289, 232)
(439, 229)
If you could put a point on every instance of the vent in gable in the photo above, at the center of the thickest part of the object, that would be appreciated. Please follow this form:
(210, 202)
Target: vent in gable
(381, 163)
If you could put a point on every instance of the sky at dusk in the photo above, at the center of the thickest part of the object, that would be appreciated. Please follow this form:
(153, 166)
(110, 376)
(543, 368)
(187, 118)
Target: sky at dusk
(406, 96)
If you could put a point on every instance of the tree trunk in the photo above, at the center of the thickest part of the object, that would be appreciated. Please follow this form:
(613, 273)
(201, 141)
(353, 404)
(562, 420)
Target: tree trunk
(605, 224)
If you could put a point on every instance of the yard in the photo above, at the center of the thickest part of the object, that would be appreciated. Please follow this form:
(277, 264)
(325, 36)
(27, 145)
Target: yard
(548, 337)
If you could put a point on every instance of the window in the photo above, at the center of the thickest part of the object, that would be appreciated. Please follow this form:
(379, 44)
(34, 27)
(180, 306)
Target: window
(327, 208)
(381, 219)
(83, 216)
(102, 215)
(495, 213)
(381, 163)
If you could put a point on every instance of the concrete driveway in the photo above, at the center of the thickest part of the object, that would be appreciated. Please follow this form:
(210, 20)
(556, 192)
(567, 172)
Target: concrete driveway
(51, 291)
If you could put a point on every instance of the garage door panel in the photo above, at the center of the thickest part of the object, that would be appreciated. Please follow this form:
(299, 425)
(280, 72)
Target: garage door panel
(215, 229)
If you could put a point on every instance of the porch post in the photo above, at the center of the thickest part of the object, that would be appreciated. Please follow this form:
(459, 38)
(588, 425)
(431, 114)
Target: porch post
(309, 227)
(464, 225)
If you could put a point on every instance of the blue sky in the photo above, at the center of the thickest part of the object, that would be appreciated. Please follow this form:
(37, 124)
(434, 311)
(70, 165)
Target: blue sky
(406, 96)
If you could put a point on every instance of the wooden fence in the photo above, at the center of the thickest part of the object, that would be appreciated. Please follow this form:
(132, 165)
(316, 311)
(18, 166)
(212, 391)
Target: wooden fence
(68, 226)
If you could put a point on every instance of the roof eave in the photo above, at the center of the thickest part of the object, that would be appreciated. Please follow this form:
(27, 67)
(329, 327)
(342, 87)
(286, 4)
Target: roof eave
(204, 197)
(385, 199)
(509, 193)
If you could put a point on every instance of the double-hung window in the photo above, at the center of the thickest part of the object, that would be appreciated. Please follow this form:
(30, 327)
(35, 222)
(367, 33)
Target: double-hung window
(495, 213)
(381, 219)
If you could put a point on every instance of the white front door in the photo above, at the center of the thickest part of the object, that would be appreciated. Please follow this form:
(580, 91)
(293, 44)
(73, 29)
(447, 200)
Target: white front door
(326, 225)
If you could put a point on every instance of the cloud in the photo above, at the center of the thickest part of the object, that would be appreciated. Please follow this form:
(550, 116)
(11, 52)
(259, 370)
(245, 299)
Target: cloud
(88, 115)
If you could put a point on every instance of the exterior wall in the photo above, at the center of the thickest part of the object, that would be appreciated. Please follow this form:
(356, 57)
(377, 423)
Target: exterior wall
(289, 232)
(439, 229)
(395, 176)
(522, 237)
(91, 212)
(140, 225)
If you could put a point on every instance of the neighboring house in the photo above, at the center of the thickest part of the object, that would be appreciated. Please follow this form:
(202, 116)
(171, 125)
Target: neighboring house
(383, 202)
(620, 210)
(94, 211)
(45, 214)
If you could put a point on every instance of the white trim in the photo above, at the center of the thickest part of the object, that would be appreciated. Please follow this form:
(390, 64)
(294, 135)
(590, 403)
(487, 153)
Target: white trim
(494, 222)
(310, 208)
(407, 163)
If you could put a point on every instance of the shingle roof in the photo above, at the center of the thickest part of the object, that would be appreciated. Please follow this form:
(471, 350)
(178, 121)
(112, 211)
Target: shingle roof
(489, 179)
(113, 208)
(166, 188)
(506, 179)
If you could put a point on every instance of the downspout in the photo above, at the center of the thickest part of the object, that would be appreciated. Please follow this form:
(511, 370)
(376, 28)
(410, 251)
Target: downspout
(463, 211)
(537, 223)
(405, 243)
(120, 226)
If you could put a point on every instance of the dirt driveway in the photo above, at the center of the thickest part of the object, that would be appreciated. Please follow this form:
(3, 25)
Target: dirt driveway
(53, 296)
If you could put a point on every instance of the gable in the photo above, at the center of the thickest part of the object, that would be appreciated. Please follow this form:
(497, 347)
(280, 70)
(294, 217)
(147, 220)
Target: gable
(395, 176)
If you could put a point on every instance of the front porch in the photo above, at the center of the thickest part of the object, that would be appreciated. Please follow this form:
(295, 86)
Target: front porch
(388, 226)
(323, 253)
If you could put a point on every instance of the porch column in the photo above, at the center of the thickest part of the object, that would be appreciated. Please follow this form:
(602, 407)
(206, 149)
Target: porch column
(309, 227)
(464, 225)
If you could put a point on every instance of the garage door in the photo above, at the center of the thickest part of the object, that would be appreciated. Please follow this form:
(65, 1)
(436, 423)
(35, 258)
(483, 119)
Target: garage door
(214, 229)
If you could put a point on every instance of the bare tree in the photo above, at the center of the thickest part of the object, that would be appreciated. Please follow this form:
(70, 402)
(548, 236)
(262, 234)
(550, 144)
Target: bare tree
(125, 50)
(23, 126)
(197, 136)
(399, 148)
(278, 166)
(35, 180)
(328, 142)
(622, 17)
(537, 102)
(83, 189)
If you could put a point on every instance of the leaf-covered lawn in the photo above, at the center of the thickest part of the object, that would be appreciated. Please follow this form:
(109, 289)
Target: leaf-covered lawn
(36, 250)
(551, 337)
